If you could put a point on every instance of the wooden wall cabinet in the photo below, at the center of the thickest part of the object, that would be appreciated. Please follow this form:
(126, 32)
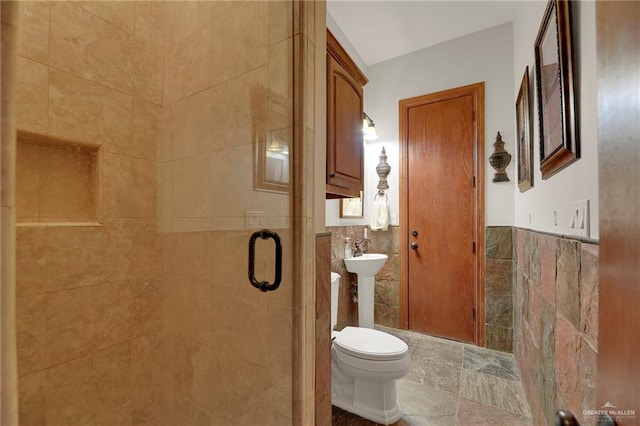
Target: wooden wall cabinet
(345, 152)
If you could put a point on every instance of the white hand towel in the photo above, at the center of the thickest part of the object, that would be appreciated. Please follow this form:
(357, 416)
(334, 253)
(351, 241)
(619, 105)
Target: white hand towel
(379, 215)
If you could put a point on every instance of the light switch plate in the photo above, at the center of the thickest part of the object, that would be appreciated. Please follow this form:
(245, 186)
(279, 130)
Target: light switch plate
(254, 219)
(579, 218)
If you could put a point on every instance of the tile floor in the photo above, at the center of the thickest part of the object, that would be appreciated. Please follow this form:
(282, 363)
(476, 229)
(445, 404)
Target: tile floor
(454, 384)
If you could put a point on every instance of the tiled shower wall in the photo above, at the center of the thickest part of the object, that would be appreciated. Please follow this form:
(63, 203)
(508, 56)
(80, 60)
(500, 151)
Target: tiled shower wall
(147, 317)
(556, 323)
(88, 297)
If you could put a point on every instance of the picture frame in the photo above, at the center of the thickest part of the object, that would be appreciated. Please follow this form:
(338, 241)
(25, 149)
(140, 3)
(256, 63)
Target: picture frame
(351, 208)
(556, 89)
(524, 135)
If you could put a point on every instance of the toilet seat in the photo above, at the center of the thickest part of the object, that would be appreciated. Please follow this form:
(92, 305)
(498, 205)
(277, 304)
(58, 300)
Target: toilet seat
(370, 344)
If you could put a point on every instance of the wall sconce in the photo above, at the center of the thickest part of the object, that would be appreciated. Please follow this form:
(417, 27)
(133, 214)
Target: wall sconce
(499, 160)
(368, 128)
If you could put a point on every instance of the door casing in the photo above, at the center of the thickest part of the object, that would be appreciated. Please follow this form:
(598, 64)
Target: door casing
(477, 92)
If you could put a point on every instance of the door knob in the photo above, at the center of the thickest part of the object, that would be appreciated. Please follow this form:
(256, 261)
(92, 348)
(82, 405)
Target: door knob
(414, 232)
(414, 246)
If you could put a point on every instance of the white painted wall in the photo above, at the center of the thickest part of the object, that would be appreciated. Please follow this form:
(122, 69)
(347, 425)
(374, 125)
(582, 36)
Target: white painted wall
(497, 56)
(579, 180)
(483, 56)
(337, 32)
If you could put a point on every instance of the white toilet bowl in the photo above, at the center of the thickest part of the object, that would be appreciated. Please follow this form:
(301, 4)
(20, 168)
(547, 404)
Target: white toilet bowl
(365, 364)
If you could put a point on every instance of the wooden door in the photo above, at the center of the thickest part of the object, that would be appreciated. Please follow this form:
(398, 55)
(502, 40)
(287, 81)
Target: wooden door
(618, 44)
(441, 232)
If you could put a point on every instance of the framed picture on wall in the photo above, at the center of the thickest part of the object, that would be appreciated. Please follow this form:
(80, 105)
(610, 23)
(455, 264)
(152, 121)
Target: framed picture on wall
(524, 133)
(557, 109)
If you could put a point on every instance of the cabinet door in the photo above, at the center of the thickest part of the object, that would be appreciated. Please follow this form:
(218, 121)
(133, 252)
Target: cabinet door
(344, 132)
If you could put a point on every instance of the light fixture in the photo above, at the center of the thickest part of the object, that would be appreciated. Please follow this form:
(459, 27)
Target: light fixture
(368, 128)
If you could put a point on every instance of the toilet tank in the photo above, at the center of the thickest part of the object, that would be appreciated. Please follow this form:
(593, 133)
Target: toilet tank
(335, 288)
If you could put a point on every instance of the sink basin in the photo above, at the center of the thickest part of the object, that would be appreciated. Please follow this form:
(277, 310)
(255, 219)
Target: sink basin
(366, 265)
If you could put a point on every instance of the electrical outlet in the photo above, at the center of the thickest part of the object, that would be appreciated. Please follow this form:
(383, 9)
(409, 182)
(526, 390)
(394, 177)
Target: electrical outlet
(579, 218)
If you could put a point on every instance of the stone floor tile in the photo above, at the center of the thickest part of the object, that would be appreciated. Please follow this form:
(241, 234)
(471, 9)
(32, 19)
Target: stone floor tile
(492, 362)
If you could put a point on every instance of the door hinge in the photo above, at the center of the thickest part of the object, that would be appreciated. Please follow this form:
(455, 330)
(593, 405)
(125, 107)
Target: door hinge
(473, 247)
(474, 181)
(473, 116)
(473, 312)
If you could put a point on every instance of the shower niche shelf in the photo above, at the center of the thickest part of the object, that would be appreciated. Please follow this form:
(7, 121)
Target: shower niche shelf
(56, 181)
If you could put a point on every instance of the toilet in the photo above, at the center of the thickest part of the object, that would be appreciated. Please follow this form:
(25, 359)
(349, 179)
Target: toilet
(365, 364)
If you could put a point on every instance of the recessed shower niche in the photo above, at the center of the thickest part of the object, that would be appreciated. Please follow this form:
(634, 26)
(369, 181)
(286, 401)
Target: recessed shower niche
(56, 181)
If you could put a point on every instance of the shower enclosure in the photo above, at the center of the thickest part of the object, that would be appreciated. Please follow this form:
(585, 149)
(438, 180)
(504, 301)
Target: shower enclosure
(153, 139)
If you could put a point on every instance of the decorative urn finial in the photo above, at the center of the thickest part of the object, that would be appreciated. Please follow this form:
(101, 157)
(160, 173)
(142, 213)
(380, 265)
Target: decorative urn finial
(499, 160)
(383, 169)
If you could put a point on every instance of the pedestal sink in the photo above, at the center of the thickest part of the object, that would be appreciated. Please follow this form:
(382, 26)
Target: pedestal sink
(366, 267)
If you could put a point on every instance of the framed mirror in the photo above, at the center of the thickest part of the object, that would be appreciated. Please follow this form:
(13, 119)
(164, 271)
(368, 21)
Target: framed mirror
(351, 207)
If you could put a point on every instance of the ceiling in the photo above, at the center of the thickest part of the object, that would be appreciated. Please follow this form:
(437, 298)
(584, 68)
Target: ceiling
(381, 30)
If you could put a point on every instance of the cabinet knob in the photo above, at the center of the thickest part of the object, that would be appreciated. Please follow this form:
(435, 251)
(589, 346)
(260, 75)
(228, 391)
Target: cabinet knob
(414, 232)
(414, 246)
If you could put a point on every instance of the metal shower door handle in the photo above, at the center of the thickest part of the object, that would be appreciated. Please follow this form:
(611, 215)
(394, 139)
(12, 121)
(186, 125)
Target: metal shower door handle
(265, 286)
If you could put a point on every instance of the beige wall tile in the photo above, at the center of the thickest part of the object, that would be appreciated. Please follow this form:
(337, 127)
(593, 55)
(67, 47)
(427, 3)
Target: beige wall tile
(147, 127)
(184, 18)
(187, 184)
(281, 85)
(33, 37)
(187, 254)
(146, 250)
(280, 21)
(86, 389)
(149, 50)
(235, 166)
(143, 189)
(117, 190)
(67, 183)
(82, 256)
(238, 41)
(187, 65)
(146, 315)
(148, 76)
(121, 416)
(189, 128)
(118, 13)
(146, 363)
(32, 401)
(88, 112)
(147, 409)
(31, 260)
(27, 182)
(240, 110)
(89, 47)
(32, 96)
(149, 22)
(84, 320)
(241, 309)
(31, 333)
